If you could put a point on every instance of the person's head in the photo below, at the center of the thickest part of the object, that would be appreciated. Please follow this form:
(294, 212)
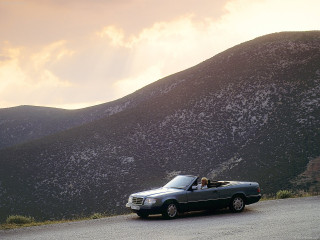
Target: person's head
(204, 181)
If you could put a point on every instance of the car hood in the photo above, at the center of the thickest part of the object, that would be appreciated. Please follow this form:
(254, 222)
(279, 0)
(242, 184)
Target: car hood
(157, 192)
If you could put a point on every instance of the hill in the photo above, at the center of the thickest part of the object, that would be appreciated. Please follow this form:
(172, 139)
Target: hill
(249, 113)
(25, 123)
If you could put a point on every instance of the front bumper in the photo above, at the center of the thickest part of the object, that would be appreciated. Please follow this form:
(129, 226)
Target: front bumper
(149, 209)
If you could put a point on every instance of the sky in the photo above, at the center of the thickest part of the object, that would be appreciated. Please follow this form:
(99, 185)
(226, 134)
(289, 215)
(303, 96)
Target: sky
(78, 53)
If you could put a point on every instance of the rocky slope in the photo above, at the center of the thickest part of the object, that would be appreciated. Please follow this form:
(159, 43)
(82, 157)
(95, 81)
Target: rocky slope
(310, 179)
(249, 113)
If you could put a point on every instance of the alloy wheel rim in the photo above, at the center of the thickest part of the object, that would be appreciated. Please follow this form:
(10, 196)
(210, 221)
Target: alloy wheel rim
(172, 210)
(238, 203)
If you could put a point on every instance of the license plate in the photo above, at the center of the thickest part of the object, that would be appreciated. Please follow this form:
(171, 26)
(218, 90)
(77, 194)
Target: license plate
(135, 207)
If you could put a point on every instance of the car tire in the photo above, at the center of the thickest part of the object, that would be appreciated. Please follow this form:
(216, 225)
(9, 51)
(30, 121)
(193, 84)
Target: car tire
(170, 210)
(143, 215)
(237, 204)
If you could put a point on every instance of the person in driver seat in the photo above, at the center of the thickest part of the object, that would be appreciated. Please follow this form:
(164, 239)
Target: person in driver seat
(203, 184)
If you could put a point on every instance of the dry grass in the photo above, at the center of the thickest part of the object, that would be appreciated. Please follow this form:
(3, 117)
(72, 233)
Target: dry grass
(15, 224)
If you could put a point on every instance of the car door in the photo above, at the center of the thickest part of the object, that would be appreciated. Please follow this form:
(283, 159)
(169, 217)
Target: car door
(225, 194)
(201, 199)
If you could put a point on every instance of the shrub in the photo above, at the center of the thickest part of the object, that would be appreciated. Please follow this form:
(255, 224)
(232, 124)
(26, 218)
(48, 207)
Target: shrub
(18, 219)
(284, 194)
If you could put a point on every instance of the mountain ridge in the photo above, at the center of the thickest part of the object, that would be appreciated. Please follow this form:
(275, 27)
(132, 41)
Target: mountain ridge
(25, 123)
(81, 116)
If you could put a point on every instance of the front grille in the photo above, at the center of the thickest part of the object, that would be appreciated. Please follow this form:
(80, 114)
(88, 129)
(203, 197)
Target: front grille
(137, 200)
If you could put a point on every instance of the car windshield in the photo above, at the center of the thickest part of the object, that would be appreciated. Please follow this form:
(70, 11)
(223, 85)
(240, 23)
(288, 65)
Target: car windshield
(180, 182)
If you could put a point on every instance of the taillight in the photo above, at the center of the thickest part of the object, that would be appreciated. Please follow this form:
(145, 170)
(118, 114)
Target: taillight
(259, 190)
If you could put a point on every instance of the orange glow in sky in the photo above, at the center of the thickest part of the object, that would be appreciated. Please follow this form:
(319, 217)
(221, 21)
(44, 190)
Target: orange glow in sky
(79, 53)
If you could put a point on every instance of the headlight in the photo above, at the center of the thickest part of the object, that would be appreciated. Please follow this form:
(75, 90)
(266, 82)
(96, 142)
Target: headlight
(150, 201)
(130, 199)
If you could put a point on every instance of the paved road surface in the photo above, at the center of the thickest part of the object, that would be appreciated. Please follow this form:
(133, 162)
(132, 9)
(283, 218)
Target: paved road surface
(277, 219)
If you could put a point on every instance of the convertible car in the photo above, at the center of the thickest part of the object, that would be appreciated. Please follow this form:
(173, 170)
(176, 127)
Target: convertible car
(182, 195)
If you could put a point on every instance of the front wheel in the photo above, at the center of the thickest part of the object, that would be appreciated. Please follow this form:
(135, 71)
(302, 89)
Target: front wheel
(237, 204)
(170, 211)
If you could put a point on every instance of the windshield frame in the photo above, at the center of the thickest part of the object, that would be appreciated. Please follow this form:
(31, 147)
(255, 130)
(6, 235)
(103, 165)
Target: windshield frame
(181, 182)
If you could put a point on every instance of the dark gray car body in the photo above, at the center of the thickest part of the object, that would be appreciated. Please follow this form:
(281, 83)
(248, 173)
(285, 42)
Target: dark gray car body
(219, 194)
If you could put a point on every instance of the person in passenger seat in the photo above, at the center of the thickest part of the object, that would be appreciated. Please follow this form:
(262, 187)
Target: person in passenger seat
(203, 184)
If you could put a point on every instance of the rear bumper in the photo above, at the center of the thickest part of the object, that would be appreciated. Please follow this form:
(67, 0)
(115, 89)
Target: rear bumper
(253, 199)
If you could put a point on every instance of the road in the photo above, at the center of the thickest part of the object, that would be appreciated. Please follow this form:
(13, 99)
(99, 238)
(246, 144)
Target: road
(297, 218)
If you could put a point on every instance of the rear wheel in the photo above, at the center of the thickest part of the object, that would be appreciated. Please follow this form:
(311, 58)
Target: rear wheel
(170, 210)
(237, 203)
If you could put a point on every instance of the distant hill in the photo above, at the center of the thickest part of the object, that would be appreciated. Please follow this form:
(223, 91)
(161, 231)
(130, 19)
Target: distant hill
(24, 123)
(249, 113)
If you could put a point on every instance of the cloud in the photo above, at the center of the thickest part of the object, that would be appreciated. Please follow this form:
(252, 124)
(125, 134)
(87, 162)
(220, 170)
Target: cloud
(50, 54)
(83, 68)
(255, 18)
(80, 53)
(4, 58)
(128, 85)
(170, 46)
(164, 48)
(9, 68)
(29, 76)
